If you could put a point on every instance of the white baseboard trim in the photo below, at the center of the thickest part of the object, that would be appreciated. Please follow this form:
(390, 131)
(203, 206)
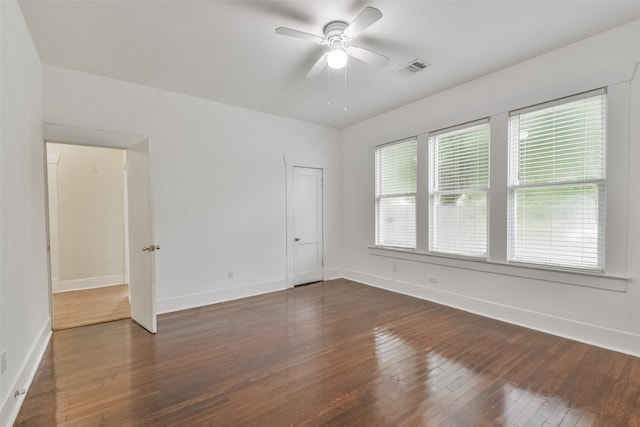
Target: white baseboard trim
(184, 302)
(12, 404)
(86, 283)
(599, 336)
(330, 274)
(327, 274)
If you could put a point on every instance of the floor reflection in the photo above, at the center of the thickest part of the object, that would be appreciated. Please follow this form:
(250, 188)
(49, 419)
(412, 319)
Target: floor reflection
(440, 382)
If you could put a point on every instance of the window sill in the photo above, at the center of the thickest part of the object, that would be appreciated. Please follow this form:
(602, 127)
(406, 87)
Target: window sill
(578, 278)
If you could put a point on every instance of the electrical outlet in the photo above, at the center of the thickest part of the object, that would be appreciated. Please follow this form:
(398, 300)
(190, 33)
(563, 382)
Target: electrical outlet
(3, 362)
(394, 268)
(433, 279)
(230, 275)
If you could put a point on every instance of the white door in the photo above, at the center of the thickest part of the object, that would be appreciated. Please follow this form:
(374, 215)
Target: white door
(307, 227)
(141, 245)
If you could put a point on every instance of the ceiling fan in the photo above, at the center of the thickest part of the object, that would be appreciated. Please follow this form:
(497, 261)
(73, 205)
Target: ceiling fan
(338, 37)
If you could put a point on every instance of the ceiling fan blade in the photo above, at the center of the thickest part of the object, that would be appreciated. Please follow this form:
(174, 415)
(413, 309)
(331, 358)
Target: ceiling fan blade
(284, 31)
(368, 56)
(318, 66)
(363, 21)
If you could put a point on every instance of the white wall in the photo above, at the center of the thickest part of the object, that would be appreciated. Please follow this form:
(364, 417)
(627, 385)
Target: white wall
(604, 317)
(218, 179)
(24, 293)
(86, 200)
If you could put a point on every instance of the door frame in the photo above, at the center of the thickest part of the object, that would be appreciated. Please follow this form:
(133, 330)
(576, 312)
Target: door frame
(290, 163)
(72, 135)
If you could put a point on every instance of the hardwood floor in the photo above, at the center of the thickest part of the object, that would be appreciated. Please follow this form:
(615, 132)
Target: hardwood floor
(335, 353)
(89, 306)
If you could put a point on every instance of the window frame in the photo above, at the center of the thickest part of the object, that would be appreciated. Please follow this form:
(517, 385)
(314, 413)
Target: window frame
(513, 185)
(432, 171)
(379, 198)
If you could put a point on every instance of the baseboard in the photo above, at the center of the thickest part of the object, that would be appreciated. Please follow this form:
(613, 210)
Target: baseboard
(327, 274)
(330, 274)
(86, 283)
(11, 405)
(184, 302)
(599, 336)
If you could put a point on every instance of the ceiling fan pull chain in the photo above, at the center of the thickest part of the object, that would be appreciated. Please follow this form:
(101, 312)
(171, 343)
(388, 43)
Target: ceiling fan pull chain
(345, 88)
(328, 86)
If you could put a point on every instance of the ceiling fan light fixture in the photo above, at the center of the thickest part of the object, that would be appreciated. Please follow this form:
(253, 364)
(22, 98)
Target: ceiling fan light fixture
(336, 39)
(337, 58)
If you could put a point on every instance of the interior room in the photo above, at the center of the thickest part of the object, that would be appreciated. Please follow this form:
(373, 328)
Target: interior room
(87, 235)
(331, 213)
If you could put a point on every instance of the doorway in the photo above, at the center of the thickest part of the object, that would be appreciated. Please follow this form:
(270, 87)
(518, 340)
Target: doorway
(87, 234)
(305, 224)
(138, 220)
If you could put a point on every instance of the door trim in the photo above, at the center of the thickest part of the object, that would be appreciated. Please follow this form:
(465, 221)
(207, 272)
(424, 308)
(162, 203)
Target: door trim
(290, 163)
(73, 135)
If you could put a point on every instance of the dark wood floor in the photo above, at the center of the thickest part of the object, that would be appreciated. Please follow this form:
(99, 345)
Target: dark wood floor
(335, 353)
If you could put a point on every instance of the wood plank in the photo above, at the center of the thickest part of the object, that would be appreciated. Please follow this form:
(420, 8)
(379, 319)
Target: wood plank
(333, 353)
(89, 306)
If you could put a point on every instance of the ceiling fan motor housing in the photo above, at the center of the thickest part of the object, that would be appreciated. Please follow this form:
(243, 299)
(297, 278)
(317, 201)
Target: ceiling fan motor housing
(333, 33)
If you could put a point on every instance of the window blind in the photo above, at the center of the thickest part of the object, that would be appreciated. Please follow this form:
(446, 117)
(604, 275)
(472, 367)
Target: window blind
(396, 176)
(557, 183)
(458, 188)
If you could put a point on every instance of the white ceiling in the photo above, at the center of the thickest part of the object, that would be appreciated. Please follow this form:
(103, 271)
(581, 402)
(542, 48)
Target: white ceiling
(227, 51)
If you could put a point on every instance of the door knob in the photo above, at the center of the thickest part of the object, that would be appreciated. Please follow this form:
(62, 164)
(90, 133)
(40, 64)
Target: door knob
(295, 239)
(151, 248)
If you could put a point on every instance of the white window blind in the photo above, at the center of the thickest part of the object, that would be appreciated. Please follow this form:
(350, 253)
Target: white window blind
(458, 188)
(396, 176)
(557, 183)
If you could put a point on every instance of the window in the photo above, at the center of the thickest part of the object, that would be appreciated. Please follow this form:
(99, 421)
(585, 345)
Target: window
(557, 183)
(539, 192)
(396, 169)
(458, 187)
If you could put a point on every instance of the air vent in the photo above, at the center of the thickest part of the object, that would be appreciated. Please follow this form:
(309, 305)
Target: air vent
(413, 67)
